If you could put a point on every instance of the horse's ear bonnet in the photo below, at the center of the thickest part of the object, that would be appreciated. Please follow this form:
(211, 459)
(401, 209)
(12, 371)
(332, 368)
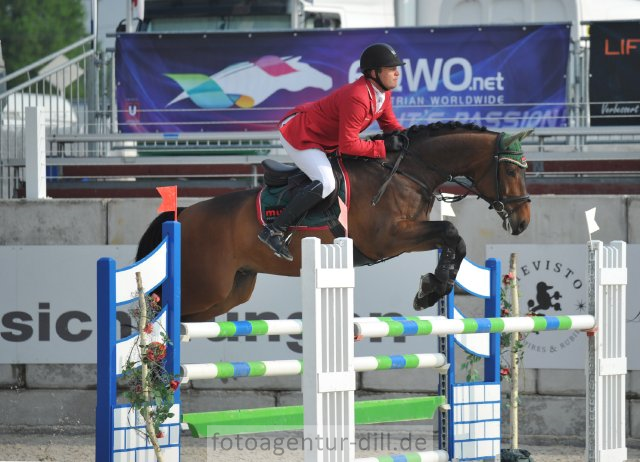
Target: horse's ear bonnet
(510, 148)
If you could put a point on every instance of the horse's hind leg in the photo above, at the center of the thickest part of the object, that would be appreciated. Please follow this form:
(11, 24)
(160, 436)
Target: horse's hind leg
(243, 284)
(434, 286)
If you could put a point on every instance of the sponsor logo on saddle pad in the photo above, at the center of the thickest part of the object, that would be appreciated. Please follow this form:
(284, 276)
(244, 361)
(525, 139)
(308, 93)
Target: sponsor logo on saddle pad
(271, 213)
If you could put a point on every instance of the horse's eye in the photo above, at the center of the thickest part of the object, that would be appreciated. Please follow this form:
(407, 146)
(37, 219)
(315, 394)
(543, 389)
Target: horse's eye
(511, 172)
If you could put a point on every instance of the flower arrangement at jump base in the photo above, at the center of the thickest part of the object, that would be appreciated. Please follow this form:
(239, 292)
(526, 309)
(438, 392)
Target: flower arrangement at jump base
(150, 386)
(511, 344)
(511, 355)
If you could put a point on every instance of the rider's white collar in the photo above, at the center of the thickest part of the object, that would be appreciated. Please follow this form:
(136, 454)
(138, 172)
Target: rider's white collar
(380, 96)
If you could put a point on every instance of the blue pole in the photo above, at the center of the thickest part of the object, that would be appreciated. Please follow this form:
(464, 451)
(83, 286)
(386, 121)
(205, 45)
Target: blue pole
(492, 310)
(106, 346)
(171, 295)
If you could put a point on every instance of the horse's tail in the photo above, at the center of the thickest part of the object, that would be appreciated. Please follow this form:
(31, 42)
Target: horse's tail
(153, 235)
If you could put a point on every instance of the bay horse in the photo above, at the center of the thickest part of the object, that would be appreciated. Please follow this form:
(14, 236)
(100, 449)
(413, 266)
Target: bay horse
(222, 256)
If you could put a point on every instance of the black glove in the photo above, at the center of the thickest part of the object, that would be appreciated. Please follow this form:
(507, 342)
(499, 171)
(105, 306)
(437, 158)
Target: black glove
(393, 143)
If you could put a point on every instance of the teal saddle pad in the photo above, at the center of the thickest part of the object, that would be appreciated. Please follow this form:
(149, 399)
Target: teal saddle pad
(272, 200)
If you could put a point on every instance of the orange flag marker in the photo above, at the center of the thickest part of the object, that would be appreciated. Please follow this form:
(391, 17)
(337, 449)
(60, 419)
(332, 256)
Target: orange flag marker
(169, 203)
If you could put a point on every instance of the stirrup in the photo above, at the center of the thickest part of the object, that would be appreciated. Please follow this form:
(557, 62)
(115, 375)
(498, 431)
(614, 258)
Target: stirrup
(276, 241)
(272, 231)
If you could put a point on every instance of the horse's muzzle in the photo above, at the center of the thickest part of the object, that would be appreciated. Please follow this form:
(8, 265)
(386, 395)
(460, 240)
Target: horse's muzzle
(516, 219)
(519, 218)
(520, 226)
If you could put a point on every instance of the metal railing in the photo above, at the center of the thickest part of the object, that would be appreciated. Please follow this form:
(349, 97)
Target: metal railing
(139, 159)
(81, 119)
(67, 85)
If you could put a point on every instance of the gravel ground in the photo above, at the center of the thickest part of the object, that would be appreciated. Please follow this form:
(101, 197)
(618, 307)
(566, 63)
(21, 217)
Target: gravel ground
(80, 448)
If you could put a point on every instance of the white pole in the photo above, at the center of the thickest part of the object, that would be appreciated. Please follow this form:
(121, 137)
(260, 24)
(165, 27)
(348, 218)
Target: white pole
(329, 378)
(515, 356)
(297, 11)
(129, 17)
(607, 357)
(35, 154)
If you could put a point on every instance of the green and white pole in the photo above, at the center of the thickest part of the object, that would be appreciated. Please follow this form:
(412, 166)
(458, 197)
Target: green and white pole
(443, 327)
(226, 370)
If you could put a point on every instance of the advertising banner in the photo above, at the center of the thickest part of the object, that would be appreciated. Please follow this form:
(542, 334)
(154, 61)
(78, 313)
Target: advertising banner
(553, 281)
(502, 76)
(48, 307)
(613, 67)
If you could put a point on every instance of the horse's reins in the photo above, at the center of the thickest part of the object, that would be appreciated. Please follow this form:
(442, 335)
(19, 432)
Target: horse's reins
(499, 204)
(394, 169)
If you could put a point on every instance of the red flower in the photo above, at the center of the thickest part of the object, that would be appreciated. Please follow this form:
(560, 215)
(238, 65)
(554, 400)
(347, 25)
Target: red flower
(155, 297)
(148, 328)
(156, 351)
(505, 312)
(174, 384)
(508, 278)
(505, 371)
(159, 434)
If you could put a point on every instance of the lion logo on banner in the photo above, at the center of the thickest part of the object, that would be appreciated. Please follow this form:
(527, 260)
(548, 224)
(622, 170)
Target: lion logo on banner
(248, 84)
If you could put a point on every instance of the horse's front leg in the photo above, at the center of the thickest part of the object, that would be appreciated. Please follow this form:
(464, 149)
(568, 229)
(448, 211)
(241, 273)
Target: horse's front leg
(434, 286)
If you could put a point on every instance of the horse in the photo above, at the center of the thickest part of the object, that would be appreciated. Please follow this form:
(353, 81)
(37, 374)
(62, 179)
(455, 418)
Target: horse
(389, 214)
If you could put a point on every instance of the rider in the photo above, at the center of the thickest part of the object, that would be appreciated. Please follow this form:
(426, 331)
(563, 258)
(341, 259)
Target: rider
(311, 130)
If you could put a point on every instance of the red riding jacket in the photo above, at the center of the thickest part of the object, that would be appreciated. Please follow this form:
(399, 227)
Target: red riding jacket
(335, 121)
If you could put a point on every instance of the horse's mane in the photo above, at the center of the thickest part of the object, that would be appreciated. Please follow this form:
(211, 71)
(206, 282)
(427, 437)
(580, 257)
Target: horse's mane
(442, 128)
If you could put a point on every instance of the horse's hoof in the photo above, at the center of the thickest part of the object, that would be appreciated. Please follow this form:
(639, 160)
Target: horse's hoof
(428, 294)
(419, 303)
(425, 301)
(431, 290)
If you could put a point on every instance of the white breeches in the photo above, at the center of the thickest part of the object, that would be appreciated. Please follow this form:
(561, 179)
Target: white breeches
(314, 163)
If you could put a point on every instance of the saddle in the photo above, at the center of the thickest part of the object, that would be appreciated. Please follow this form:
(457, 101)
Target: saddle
(281, 183)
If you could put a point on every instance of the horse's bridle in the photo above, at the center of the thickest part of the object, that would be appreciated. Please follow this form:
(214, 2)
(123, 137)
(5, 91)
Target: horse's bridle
(498, 204)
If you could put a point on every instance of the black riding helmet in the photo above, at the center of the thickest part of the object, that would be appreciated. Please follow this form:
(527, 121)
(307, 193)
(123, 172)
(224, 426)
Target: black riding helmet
(377, 56)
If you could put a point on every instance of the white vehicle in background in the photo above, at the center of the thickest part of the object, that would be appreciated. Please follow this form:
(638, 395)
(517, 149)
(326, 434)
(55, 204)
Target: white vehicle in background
(205, 16)
(60, 116)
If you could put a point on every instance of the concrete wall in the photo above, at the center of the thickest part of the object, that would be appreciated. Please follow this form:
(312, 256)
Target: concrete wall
(64, 396)
(554, 220)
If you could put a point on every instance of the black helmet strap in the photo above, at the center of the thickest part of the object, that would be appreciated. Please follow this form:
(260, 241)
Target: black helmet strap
(376, 79)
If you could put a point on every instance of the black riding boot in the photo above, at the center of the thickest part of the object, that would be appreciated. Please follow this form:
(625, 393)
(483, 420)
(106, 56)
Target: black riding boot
(273, 234)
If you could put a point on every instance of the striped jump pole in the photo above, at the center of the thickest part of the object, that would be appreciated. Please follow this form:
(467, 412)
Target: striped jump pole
(427, 456)
(393, 326)
(198, 330)
(194, 330)
(226, 370)
(443, 327)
